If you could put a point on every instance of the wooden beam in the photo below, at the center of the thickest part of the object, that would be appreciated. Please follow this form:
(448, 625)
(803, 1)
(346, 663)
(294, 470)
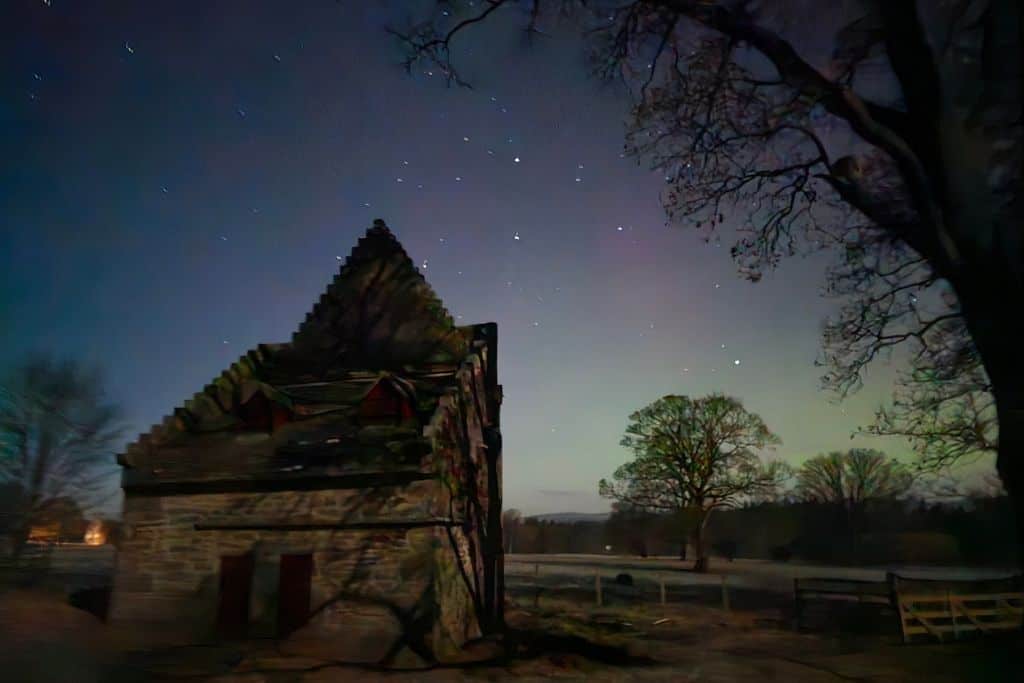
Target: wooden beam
(257, 525)
(922, 620)
(320, 482)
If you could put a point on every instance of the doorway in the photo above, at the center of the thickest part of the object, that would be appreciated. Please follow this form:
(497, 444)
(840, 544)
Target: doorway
(235, 587)
(293, 592)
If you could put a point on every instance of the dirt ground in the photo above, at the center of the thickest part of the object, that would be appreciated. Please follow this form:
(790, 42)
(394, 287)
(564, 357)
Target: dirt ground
(44, 639)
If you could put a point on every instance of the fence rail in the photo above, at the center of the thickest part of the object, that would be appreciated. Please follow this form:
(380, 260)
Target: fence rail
(923, 607)
(603, 583)
(935, 615)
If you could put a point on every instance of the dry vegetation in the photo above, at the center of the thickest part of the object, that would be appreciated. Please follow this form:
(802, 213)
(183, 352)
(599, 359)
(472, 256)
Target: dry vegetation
(560, 639)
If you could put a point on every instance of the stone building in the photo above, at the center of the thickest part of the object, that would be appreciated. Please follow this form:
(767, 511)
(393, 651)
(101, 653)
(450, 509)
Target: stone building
(342, 489)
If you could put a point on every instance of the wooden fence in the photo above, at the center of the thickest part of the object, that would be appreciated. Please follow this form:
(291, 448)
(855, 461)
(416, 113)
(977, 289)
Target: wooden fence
(602, 584)
(938, 609)
(943, 609)
(845, 590)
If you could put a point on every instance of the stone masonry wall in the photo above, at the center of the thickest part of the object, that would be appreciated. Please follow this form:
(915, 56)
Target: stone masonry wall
(369, 587)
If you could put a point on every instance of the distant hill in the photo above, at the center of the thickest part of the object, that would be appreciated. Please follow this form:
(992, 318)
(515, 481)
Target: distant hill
(571, 517)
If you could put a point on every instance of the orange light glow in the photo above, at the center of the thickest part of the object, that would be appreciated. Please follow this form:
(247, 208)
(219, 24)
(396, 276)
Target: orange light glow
(95, 534)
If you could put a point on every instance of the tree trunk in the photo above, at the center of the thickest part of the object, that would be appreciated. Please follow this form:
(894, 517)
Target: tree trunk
(700, 560)
(1010, 463)
(992, 327)
(682, 548)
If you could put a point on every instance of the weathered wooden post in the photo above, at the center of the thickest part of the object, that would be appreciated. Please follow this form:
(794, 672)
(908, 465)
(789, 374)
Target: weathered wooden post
(797, 604)
(537, 583)
(597, 586)
(952, 615)
(725, 594)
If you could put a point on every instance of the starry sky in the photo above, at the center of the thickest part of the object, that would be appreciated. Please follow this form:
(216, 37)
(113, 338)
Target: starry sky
(178, 186)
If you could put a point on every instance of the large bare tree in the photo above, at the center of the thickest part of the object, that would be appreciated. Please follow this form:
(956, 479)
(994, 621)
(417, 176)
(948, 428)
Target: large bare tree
(898, 145)
(850, 480)
(57, 433)
(693, 455)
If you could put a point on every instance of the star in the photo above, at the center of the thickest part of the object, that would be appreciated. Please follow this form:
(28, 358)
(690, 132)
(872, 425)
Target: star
(128, 47)
(277, 58)
(516, 236)
(516, 160)
(736, 362)
(458, 178)
(619, 228)
(465, 138)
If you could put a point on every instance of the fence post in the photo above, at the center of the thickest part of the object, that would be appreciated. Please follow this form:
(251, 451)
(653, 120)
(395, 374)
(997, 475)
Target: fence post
(536, 568)
(597, 586)
(952, 614)
(797, 604)
(725, 594)
(661, 581)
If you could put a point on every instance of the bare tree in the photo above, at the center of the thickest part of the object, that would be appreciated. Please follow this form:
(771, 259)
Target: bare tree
(849, 480)
(900, 148)
(693, 454)
(57, 433)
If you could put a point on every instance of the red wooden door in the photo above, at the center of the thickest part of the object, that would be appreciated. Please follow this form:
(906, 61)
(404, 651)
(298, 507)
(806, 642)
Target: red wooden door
(235, 586)
(293, 593)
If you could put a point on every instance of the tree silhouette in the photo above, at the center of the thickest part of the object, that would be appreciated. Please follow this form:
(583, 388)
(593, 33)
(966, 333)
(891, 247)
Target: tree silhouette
(849, 480)
(899, 149)
(57, 433)
(693, 455)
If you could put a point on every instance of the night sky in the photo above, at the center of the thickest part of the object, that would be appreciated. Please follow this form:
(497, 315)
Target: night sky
(179, 186)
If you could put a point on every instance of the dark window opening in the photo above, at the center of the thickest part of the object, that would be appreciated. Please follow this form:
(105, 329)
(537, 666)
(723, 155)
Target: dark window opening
(385, 404)
(260, 414)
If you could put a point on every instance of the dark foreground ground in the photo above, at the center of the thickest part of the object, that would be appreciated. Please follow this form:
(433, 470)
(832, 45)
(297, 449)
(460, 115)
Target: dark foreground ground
(565, 637)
